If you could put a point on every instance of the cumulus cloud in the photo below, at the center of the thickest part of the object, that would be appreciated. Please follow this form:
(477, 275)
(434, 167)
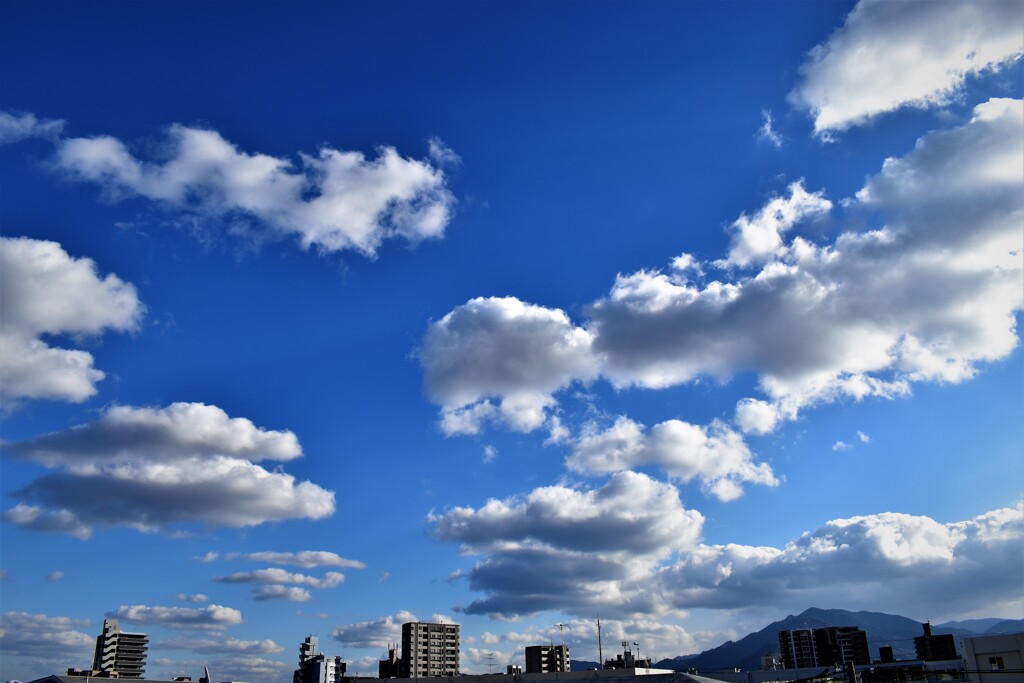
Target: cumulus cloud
(716, 455)
(39, 635)
(841, 446)
(927, 296)
(48, 521)
(759, 238)
(888, 55)
(566, 548)
(890, 561)
(194, 597)
(209, 617)
(307, 559)
(334, 201)
(15, 127)
(274, 575)
(278, 592)
(160, 468)
(501, 347)
(45, 291)
(373, 633)
(221, 646)
(531, 562)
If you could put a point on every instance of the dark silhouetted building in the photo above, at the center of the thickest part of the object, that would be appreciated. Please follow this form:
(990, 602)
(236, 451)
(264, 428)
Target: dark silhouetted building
(542, 659)
(392, 666)
(933, 648)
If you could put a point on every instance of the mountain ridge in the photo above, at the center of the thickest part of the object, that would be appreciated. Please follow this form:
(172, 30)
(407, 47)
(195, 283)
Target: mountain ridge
(882, 629)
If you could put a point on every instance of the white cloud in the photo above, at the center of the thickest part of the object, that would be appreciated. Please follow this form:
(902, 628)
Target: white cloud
(888, 562)
(195, 597)
(15, 127)
(841, 446)
(44, 291)
(863, 438)
(48, 521)
(767, 133)
(335, 201)
(501, 347)
(26, 634)
(442, 154)
(889, 55)
(759, 238)
(274, 575)
(927, 297)
(565, 548)
(490, 453)
(307, 559)
(278, 592)
(55, 576)
(373, 633)
(209, 617)
(221, 646)
(210, 556)
(160, 468)
(716, 455)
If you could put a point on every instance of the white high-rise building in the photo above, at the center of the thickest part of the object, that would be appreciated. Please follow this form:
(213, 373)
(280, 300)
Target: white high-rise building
(119, 651)
(316, 667)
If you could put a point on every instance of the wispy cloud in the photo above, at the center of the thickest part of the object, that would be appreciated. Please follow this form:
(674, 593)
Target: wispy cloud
(858, 75)
(16, 127)
(334, 200)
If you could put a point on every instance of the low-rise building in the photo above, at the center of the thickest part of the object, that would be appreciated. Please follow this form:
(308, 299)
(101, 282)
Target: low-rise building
(995, 658)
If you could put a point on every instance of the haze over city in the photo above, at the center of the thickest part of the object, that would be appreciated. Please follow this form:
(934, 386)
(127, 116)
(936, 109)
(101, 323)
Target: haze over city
(320, 318)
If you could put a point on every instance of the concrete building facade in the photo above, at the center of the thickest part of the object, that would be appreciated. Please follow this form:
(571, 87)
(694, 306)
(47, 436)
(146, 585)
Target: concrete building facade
(120, 652)
(832, 646)
(315, 666)
(546, 658)
(994, 659)
(429, 650)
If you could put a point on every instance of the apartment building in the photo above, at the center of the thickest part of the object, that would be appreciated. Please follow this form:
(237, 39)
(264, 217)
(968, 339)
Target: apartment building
(429, 649)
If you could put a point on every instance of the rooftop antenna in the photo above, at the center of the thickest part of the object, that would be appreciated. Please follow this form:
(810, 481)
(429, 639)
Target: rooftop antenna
(600, 652)
(490, 661)
(561, 636)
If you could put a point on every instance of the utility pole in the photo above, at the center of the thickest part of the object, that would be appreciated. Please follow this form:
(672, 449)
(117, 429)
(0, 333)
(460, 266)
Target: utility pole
(600, 652)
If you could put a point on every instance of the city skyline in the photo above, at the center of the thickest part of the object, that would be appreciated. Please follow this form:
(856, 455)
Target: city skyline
(321, 320)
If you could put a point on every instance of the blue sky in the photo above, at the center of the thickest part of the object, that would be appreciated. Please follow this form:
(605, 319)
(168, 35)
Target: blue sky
(321, 319)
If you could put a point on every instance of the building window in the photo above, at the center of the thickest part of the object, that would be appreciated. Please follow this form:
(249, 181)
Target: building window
(996, 663)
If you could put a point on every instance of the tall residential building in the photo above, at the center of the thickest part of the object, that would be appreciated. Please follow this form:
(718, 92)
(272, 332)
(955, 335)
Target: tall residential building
(430, 649)
(316, 667)
(118, 651)
(931, 648)
(546, 658)
(832, 646)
